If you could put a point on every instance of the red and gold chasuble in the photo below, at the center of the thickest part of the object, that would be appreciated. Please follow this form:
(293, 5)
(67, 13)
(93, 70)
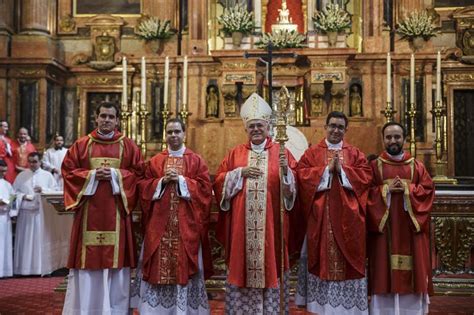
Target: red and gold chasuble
(399, 250)
(250, 230)
(20, 153)
(11, 173)
(102, 234)
(335, 217)
(174, 227)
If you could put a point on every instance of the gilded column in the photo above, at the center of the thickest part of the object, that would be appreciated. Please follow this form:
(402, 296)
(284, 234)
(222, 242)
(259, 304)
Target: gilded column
(35, 16)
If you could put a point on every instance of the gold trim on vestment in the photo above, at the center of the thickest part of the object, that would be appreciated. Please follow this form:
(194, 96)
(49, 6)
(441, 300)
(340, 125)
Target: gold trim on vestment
(97, 162)
(387, 208)
(91, 138)
(81, 193)
(117, 236)
(255, 220)
(406, 194)
(401, 262)
(84, 232)
(98, 238)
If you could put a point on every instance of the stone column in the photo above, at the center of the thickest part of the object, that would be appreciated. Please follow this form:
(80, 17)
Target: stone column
(35, 16)
(7, 26)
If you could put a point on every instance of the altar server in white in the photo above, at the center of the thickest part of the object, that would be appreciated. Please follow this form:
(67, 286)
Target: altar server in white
(28, 186)
(53, 158)
(6, 251)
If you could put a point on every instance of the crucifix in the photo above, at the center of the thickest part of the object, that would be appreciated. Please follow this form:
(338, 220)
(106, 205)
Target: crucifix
(268, 60)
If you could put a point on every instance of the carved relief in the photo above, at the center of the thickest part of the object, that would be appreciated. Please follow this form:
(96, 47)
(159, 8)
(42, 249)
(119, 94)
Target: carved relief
(464, 18)
(337, 100)
(459, 77)
(244, 77)
(99, 81)
(317, 100)
(230, 103)
(454, 238)
(67, 24)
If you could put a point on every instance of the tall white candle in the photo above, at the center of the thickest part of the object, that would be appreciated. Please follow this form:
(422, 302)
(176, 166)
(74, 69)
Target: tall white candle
(143, 87)
(124, 84)
(167, 77)
(185, 83)
(389, 78)
(438, 77)
(412, 78)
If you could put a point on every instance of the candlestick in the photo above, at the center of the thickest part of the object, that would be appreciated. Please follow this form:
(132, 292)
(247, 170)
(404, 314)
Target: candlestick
(185, 83)
(143, 86)
(389, 78)
(438, 77)
(167, 76)
(412, 79)
(124, 84)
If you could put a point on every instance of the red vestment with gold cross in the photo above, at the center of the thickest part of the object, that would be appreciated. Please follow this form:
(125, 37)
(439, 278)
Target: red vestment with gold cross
(399, 239)
(335, 217)
(101, 234)
(175, 227)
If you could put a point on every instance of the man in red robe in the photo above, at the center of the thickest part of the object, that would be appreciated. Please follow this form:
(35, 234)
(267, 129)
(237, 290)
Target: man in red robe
(398, 219)
(333, 182)
(21, 148)
(247, 189)
(175, 196)
(100, 174)
(6, 153)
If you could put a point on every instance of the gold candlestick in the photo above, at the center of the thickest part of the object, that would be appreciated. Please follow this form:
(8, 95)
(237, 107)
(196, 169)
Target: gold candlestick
(388, 112)
(166, 114)
(143, 115)
(184, 114)
(412, 114)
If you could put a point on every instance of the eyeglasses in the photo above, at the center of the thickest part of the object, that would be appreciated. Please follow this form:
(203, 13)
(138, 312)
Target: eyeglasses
(339, 127)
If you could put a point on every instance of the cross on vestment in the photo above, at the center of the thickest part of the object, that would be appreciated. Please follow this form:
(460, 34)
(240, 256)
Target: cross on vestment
(255, 191)
(105, 163)
(100, 238)
(268, 60)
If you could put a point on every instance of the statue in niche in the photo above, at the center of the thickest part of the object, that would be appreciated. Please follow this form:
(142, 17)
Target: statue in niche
(337, 100)
(317, 103)
(284, 14)
(355, 101)
(212, 102)
(104, 47)
(230, 104)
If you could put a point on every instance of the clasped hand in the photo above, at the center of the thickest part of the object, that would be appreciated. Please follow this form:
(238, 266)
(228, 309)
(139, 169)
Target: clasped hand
(171, 175)
(103, 173)
(396, 185)
(335, 164)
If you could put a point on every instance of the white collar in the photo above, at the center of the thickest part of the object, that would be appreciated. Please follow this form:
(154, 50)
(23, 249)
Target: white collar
(110, 135)
(177, 153)
(397, 157)
(332, 146)
(258, 148)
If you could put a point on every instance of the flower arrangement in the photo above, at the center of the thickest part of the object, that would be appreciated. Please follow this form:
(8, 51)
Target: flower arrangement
(151, 27)
(418, 24)
(236, 19)
(332, 18)
(282, 39)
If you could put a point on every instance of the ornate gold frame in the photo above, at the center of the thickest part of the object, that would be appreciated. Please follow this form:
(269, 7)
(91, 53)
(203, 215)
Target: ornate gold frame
(74, 11)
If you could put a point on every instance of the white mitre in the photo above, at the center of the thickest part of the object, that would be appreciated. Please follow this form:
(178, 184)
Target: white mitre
(255, 107)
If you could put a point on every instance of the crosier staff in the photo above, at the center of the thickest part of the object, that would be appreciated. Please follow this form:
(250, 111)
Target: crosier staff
(281, 138)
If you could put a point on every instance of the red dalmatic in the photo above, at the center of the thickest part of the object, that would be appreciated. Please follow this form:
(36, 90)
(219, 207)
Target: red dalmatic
(399, 240)
(175, 227)
(20, 154)
(335, 217)
(11, 173)
(101, 234)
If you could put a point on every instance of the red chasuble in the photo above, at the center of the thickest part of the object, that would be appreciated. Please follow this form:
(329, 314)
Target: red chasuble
(335, 217)
(251, 237)
(174, 227)
(399, 240)
(11, 173)
(20, 153)
(101, 234)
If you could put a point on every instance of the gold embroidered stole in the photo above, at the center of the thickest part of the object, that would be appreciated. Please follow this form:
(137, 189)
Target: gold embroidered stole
(335, 260)
(101, 238)
(168, 252)
(255, 219)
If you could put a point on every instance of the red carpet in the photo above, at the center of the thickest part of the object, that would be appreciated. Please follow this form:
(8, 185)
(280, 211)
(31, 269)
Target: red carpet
(36, 296)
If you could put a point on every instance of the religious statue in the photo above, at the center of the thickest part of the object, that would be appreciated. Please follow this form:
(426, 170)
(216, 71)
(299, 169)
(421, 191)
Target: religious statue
(212, 102)
(67, 24)
(284, 14)
(355, 101)
(104, 47)
(337, 100)
(317, 102)
(230, 103)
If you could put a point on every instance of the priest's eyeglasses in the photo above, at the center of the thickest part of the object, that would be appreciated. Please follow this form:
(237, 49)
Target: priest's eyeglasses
(339, 127)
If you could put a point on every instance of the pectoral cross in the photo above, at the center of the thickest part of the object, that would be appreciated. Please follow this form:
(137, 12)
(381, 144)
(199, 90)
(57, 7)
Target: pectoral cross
(268, 60)
(105, 163)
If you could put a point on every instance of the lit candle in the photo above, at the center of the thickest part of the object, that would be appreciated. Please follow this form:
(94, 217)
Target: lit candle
(412, 78)
(185, 83)
(143, 91)
(167, 77)
(389, 78)
(438, 77)
(124, 84)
